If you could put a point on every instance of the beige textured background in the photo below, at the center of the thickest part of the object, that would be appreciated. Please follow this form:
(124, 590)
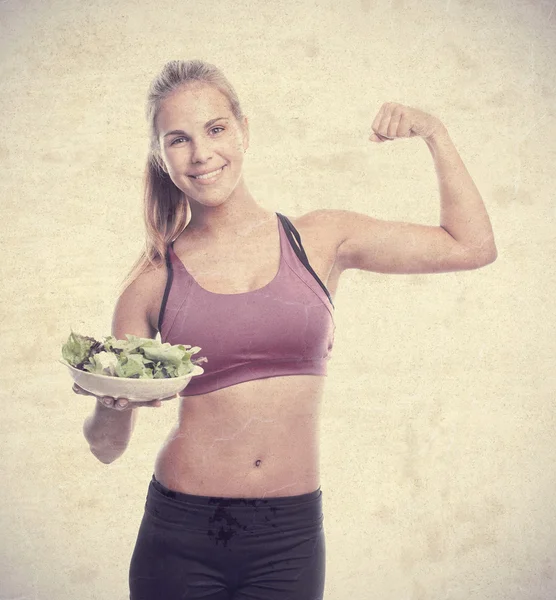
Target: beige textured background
(438, 425)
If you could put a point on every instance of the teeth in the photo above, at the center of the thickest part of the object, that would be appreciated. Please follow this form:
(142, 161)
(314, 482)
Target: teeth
(209, 175)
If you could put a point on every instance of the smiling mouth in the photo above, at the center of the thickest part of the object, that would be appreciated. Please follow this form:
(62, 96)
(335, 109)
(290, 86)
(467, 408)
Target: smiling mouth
(208, 175)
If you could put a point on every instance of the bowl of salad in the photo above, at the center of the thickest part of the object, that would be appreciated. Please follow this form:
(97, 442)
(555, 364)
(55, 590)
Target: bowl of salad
(139, 369)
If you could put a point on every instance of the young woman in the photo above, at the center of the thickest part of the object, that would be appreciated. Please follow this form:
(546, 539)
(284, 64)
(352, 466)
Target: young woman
(234, 508)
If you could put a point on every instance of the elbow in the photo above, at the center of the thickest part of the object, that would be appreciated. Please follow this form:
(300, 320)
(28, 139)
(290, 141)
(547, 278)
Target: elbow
(486, 258)
(103, 448)
(102, 456)
(478, 259)
(493, 256)
(489, 252)
(107, 454)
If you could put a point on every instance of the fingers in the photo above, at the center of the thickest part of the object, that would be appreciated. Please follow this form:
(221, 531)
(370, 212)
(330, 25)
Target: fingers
(399, 121)
(155, 403)
(378, 119)
(116, 403)
(404, 126)
(152, 403)
(121, 403)
(107, 401)
(378, 138)
(390, 123)
(386, 122)
(125, 404)
(79, 390)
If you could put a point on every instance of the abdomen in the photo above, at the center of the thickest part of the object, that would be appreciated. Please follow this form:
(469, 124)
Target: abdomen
(258, 438)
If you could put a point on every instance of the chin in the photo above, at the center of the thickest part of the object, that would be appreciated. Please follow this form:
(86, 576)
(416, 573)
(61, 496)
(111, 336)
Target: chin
(212, 198)
(210, 202)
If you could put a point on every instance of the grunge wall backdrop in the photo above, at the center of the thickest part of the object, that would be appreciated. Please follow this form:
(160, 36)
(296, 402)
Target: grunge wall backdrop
(438, 424)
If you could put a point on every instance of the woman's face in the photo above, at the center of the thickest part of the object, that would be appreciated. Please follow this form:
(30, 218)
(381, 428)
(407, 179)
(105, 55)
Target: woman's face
(201, 143)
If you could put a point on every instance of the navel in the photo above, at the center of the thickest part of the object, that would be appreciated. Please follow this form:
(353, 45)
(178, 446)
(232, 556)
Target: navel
(257, 463)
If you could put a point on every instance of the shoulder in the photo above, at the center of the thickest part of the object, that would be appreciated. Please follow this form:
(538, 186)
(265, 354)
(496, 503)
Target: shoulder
(345, 235)
(332, 225)
(151, 277)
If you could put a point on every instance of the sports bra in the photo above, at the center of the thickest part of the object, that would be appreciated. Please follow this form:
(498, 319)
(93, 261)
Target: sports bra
(283, 328)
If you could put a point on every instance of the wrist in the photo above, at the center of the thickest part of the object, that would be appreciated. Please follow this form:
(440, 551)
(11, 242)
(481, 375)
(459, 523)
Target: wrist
(106, 414)
(438, 136)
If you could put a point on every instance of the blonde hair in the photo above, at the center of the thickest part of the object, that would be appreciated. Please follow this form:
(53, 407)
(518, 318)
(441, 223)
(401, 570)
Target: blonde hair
(166, 209)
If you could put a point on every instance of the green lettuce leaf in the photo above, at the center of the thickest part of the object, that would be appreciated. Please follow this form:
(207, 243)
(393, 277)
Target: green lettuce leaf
(132, 365)
(78, 349)
(134, 357)
(104, 363)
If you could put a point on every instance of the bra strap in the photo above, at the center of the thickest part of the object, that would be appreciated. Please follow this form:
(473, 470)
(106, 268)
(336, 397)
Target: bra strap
(295, 241)
(166, 289)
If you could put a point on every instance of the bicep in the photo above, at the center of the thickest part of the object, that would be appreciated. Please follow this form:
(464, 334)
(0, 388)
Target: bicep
(397, 247)
(132, 310)
(131, 317)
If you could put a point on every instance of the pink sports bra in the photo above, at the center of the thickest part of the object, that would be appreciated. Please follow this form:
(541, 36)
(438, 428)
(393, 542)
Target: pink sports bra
(284, 328)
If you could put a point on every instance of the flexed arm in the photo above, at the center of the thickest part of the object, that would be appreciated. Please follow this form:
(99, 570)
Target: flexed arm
(464, 238)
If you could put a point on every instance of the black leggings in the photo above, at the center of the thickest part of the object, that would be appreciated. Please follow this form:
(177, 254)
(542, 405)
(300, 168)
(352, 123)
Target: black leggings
(211, 548)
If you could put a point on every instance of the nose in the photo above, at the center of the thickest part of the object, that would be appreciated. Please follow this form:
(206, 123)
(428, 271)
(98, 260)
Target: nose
(201, 151)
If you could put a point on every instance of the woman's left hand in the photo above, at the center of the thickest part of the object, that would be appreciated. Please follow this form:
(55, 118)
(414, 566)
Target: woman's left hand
(398, 121)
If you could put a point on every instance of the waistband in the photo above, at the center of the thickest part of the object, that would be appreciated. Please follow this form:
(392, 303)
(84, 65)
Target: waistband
(179, 511)
(235, 502)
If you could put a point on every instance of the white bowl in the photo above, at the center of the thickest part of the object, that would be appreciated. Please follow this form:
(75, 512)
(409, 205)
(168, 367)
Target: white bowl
(135, 390)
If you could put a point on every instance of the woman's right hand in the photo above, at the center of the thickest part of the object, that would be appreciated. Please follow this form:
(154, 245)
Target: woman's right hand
(120, 404)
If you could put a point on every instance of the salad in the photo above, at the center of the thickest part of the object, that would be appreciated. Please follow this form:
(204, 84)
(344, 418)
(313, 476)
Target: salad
(136, 357)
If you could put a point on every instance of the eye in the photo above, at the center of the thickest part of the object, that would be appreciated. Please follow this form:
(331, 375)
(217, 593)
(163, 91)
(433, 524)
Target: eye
(177, 140)
(217, 129)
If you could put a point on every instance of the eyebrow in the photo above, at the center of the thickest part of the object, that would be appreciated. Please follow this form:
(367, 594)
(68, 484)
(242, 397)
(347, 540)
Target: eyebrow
(207, 124)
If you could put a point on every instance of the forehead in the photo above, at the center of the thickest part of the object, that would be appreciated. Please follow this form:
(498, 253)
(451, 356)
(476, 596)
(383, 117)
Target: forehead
(191, 107)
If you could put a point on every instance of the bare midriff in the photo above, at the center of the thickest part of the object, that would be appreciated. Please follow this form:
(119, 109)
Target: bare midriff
(251, 440)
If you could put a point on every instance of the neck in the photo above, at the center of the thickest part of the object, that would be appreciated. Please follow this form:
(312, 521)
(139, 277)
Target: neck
(238, 215)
